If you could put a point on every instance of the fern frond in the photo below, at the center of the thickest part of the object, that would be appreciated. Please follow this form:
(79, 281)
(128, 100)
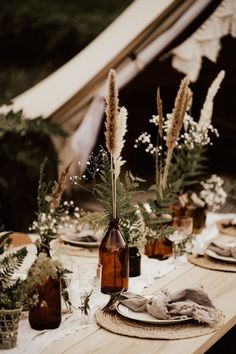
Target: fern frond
(9, 264)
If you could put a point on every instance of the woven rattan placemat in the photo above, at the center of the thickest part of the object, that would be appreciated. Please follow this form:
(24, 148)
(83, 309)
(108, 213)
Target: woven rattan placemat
(118, 324)
(214, 264)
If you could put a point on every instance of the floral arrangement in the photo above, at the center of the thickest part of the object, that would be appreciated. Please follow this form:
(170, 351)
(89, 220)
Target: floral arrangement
(50, 211)
(210, 194)
(115, 124)
(43, 268)
(188, 159)
(166, 189)
(113, 194)
(179, 154)
(12, 291)
(213, 194)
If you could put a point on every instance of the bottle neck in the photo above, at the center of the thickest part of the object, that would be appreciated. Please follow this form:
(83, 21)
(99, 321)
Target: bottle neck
(114, 224)
(43, 249)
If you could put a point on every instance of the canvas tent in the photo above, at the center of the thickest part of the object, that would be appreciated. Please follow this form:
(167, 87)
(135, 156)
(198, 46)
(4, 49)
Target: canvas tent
(147, 29)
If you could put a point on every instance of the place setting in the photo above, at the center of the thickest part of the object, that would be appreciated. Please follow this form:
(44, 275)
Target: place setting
(218, 254)
(227, 226)
(79, 234)
(183, 314)
(84, 242)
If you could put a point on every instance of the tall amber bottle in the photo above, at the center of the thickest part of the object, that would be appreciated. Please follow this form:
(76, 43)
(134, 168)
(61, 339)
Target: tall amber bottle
(114, 257)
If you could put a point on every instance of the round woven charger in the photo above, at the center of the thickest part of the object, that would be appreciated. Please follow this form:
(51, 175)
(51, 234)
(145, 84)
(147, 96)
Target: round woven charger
(208, 262)
(115, 323)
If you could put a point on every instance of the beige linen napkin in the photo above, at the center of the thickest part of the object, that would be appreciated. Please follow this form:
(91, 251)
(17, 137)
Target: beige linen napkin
(222, 249)
(179, 305)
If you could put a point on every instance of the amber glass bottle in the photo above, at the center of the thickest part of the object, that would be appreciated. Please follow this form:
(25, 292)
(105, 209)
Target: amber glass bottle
(199, 217)
(114, 257)
(160, 249)
(134, 262)
(47, 313)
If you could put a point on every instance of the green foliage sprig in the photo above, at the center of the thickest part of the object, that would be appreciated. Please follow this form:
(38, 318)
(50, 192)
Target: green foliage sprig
(12, 294)
(189, 166)
(43, 268)
(16, 122)
(24, 144)
(50, 208)
(166, 188)
(131, 224)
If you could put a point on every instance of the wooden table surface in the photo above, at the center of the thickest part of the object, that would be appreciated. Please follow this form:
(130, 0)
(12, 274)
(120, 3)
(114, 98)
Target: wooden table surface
(220, 286)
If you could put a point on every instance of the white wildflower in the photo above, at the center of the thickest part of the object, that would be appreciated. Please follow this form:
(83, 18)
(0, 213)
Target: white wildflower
(213, 193)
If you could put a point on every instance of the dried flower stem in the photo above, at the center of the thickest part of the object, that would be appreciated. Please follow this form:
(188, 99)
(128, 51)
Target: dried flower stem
(115, 131)
(60, 187)
(180, 107)
(112, 110)
(159, 136)
(113, 187)
(160, 112)
(207, 109)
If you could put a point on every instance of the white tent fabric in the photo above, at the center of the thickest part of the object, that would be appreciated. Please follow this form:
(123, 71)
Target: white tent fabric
(66, 94)
(125, 74)
(51, 94)
(205, 42)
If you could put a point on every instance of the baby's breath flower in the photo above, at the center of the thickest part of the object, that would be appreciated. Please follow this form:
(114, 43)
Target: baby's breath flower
(213, 193)
(48, 198)
(193, 134)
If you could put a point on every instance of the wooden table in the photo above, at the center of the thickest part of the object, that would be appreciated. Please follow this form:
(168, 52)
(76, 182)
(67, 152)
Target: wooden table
(221, 287)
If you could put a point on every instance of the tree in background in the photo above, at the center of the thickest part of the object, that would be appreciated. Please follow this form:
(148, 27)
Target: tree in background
(37, 37)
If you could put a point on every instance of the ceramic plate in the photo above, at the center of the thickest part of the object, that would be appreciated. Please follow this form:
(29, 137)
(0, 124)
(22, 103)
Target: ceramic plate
(226, 230)
(221, 258)
(79, 243)
(145, 317)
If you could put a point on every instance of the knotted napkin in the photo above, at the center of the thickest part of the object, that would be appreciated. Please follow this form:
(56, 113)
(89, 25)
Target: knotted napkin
(193, 303)
(223, 249)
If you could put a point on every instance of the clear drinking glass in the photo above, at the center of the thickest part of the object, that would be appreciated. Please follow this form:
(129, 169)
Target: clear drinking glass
(183, 229)
(69, 266)
(86, 291)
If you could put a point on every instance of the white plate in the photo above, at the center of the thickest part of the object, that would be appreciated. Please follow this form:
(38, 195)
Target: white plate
(145, 317)
(79, 243)
(221, 258)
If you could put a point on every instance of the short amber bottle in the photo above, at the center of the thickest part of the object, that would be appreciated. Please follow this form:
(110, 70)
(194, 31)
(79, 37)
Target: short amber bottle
(134, 262)
(114, 257)
(47, 313)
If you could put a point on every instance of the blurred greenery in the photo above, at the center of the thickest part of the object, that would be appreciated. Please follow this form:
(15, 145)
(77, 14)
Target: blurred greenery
(37, 37)
(24, 145)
